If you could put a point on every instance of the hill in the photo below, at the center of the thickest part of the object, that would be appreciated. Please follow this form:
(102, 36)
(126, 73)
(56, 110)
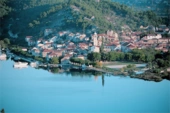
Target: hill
(31, 17)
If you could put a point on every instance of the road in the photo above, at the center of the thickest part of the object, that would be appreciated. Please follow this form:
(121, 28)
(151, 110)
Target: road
(121, 66)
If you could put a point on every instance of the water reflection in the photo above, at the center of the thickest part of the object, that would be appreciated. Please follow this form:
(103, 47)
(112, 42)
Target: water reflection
(102, 80)
(79, 72)
(78, 91)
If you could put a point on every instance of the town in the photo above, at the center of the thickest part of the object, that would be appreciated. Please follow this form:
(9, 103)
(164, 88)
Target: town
(66, 44)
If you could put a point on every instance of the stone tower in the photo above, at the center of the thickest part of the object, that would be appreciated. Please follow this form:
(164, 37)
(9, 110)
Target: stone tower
(95, 41)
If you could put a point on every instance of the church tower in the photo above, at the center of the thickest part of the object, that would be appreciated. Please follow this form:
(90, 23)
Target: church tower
(95, 41)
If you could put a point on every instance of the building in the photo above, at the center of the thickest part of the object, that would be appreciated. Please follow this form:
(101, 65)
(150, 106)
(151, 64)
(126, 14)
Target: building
(45, 52)
(95, 41)
(28, 38)
(95, 49)
(47, 32)
(81, 57)
(112, 47)
(152, 36)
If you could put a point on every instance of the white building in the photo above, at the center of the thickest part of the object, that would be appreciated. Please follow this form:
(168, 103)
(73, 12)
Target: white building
(95, 49)
(95, 41)
(47, 32)
(152, 36)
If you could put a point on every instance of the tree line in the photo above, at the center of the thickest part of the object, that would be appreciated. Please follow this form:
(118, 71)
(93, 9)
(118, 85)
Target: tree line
(155, 59)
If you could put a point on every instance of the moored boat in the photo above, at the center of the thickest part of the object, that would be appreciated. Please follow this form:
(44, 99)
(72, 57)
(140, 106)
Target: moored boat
(33, 64)
(20, 64)
(3, 56)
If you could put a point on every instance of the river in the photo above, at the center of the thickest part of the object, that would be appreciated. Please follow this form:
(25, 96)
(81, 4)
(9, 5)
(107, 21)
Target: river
(30, 90)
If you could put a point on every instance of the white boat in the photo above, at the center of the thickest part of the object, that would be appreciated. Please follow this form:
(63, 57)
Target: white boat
(33, 64)
(2, 56)
(20, 64)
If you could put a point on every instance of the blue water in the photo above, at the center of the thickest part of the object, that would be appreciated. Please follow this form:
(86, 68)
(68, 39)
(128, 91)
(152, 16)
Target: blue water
(31, 90)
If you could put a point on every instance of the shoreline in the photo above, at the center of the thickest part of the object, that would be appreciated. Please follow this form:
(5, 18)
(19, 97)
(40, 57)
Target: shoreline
(145, 76)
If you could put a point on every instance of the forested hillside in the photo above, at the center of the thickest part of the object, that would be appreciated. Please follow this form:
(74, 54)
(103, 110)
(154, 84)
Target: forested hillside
(31, 17)
(4, 8)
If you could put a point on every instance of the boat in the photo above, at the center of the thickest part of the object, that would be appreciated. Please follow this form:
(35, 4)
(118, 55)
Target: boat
(33, 64)
(20, 64)
(2, 56)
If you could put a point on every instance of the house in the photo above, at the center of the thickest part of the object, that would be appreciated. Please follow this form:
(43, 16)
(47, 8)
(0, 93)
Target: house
(61, 34)
(68, 55)
(165, 50)
(82, 36)
(39, 41)
(65, 61)
(135, 36)
(110, 39)
(77, 34)
(95, 49)
(58, 53)
(28, 38)
(54, 54)
(47, 32)
(83, 45)
(164, 40)
(71, 43)
(126, 47)
(102, 37)
(71, 35)
(152, 36)
(112, 47)
(124, 37)
(110, 33)
(35, 51)
(41, 46)
(131, 47)
(86, 39)
(45, 52)
(58, 45)
(53, 39)
(24, 49)
(48, 44)
(168, 70)
(64, 50)
(81, 57)
(30, 41)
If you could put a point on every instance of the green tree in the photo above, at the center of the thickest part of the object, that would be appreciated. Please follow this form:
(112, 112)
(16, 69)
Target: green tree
(31, 25)
(2, 44)
(7, 41)
(128, 56)
(54, 60)
(36, 22)
(112, 56)
(94, 56)
(44, 14)
(103, 56)
(38, 58)
(4, 9)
